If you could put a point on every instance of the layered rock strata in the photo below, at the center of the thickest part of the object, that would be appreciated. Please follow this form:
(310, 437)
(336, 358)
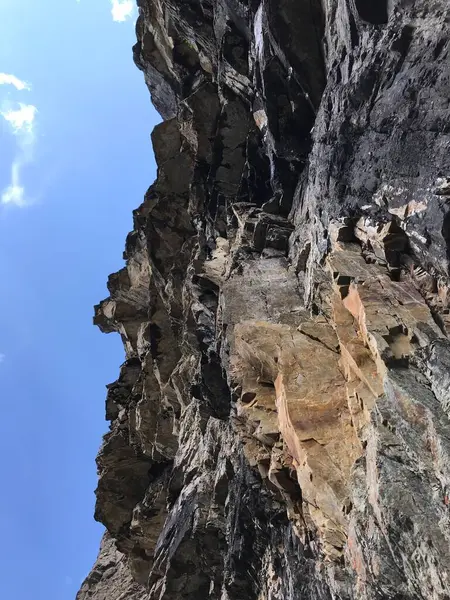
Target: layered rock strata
(280, 427)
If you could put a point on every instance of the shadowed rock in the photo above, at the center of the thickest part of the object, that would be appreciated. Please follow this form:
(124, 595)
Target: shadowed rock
(280, 427)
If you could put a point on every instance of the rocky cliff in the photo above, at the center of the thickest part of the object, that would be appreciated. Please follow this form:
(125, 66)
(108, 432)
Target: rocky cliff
(280, 427)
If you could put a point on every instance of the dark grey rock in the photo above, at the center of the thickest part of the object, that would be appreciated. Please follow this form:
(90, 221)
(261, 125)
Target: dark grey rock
(280, 427)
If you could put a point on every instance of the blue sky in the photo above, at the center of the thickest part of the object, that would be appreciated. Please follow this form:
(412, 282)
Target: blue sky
(75, 160)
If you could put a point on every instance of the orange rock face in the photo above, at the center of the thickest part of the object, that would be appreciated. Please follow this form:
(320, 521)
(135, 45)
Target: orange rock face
(309, 385)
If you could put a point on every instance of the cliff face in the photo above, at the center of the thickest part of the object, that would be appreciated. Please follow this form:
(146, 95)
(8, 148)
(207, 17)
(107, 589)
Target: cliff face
(280, 427)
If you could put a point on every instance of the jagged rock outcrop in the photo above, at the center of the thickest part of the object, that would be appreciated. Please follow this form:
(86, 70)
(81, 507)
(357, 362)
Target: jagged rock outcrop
(280, 427)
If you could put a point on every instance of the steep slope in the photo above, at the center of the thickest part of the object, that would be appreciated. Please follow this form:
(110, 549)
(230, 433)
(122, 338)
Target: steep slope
(280, 427)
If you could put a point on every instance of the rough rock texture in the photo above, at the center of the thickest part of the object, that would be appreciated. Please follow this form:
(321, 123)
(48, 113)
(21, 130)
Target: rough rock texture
(280, 427)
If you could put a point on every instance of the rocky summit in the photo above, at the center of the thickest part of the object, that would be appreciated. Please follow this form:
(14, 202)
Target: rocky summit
(280, 427)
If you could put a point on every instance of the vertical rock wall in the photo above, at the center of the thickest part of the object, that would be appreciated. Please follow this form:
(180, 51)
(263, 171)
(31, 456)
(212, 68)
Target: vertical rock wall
(280, 427)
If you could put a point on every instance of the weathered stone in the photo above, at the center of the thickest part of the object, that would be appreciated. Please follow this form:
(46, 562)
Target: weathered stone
(280, 427)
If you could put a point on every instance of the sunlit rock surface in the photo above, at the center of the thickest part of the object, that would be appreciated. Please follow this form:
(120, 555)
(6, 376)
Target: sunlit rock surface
(280, 427)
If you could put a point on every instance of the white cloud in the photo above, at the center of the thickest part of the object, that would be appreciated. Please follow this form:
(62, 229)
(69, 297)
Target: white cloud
(6, 79)
(121, 10)
(15, 193)
(21, 121)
